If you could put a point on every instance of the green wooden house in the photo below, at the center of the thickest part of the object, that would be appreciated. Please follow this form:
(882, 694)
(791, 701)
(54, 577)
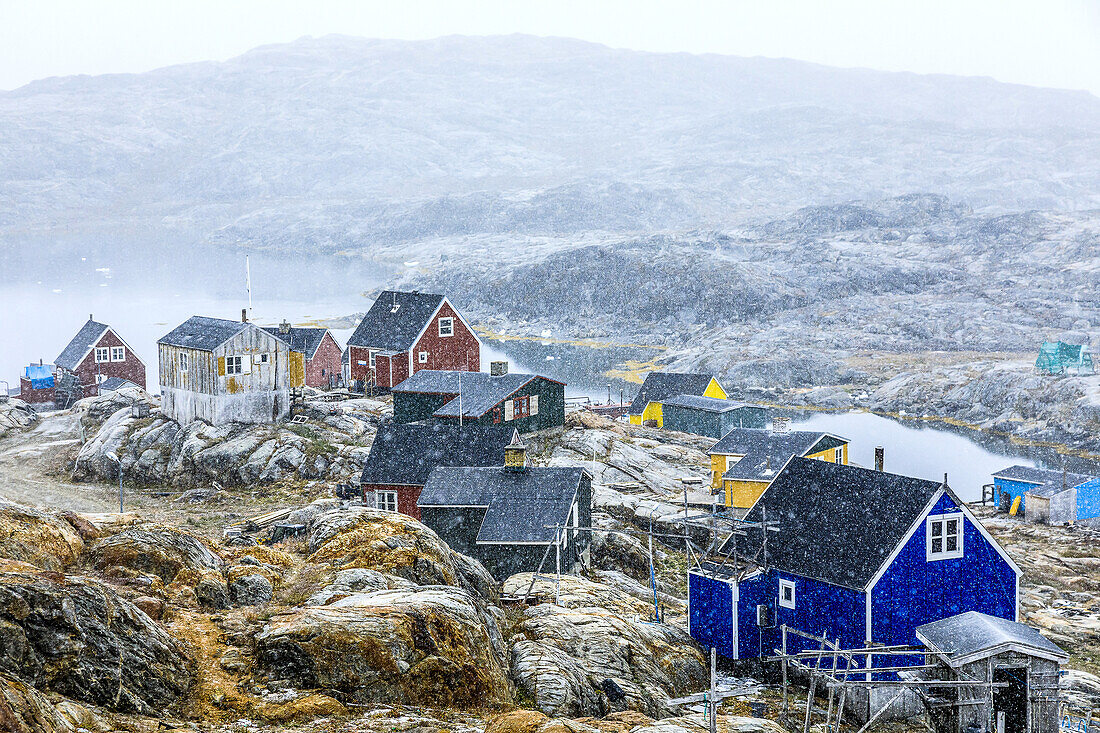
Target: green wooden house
(527, 402)
(1058, 357)
(709, 416)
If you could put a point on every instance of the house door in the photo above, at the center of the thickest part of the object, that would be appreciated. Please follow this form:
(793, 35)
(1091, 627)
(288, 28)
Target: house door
(1010, 703)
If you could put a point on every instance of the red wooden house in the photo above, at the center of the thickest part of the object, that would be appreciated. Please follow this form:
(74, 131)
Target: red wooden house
(96, 354)
(402, 457)
(403, 333)
(320, 351)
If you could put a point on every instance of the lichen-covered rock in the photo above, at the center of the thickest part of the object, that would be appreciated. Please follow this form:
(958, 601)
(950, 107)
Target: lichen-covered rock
(24, 709)
(31, 536)
(15, 415)
(251, 590)
(356, 580)
(162, 551)
(428, 646)
(80, 639)
(565, 655)
(394, 544)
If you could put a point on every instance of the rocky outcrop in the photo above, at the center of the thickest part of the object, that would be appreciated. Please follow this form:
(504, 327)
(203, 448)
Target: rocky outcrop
(24, 709)
(532, 721)
(43, 540)
(153, 549)
(596, 653)
(425, 646)
(158, 450)
(80, 639)
(394, 544)
(15, 415)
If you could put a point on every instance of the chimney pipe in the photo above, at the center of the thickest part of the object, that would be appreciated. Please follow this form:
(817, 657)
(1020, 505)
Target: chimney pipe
(244, 315)
(880, 457)
(284, 327)
(498, 368)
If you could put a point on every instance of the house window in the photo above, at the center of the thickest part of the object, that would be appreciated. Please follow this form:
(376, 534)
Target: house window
(183, 362)
(786, 594)
(118, 353)
(102, 354)
(261, 359)
(945, 536)
(100, 378)
(370, 359)
(838, 455)
(496, 415)
(423, 357)
(446, 327)
(509, 411)
(534, 404)
(233, 365)
(385, 500)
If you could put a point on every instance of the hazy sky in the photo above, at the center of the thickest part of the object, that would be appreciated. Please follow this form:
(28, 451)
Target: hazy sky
(1040, 42)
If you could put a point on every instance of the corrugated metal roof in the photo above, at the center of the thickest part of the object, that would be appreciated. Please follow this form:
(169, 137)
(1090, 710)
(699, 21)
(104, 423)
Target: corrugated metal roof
(660, 386)
(407, 453)
(202, 333)
(481, 392)
(112, 383)
(74, 353)
(835, 523)
(395, 320)
(1060, 484)
(518, 503)
(303, 340)
(1037, 476)
(699, 402)
(971, 636)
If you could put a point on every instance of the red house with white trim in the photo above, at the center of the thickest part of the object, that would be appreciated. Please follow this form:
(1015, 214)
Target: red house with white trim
(403, 333)
(96, 354)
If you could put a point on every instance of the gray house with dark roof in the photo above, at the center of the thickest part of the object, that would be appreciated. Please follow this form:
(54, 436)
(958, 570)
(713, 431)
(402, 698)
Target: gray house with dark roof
(223, 371)
(512, 516)
(404, 332)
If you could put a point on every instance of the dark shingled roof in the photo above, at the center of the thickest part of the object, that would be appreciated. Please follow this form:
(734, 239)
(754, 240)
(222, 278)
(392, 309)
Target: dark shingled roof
(383, 328)
(765, 451)
(481, 392)
(1037, 476)
(699, 402)
(202, 333)
(971, 636)
(406, 454)
(110, 384)
(835, 523)
(71, 356)
(519, 504)
(302, 340)
(660, 386)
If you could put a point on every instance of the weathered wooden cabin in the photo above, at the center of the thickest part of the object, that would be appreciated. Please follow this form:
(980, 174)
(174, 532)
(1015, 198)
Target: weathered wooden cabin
(505, 516)
(746, 460)
(223, 371)
(316, 349)
(402, 457)
(858, 555)
(527, 402)
(647, 407)
(97, 353)
(403, 333)
(979, 647)
(710, 416)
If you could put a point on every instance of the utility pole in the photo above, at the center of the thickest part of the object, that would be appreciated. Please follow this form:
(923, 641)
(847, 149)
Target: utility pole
(712, 704)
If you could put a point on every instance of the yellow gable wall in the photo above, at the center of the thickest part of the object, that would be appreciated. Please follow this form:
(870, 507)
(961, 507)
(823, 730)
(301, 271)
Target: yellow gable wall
(654, 411)
(743, 494)
(715, 390)
(829, 456)
(635, 419)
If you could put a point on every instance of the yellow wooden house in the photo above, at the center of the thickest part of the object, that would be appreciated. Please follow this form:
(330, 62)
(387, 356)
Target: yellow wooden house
(746, 460)
(660, 386)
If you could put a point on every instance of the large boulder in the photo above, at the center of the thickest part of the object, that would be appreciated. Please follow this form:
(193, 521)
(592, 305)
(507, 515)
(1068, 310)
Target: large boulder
(15, 415)
(160, 551)
(394, 544)
(31, 536)
(427, 646)
(568, 656)
(24, 709)
(80, 639)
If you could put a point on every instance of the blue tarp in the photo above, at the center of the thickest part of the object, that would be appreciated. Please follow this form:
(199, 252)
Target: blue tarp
(41, 375)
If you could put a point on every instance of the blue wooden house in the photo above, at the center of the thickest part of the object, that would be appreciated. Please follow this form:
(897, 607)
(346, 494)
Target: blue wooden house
(859, 555)
(1014, 484)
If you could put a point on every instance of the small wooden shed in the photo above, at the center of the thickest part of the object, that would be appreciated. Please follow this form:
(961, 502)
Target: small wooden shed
(710, 416)
(1023, 664)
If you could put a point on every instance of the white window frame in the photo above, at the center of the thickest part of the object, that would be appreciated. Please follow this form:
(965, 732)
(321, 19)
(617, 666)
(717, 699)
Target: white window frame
(259, 358)
(384, 500)
(450, 327)
(102, 354)
(423, 357)
(838, 455)
(943, 553)
(100, 378)
(118, 353)
(234, 365)
(509, 411)
(370, 360)
(785, 585)
(534, 404)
